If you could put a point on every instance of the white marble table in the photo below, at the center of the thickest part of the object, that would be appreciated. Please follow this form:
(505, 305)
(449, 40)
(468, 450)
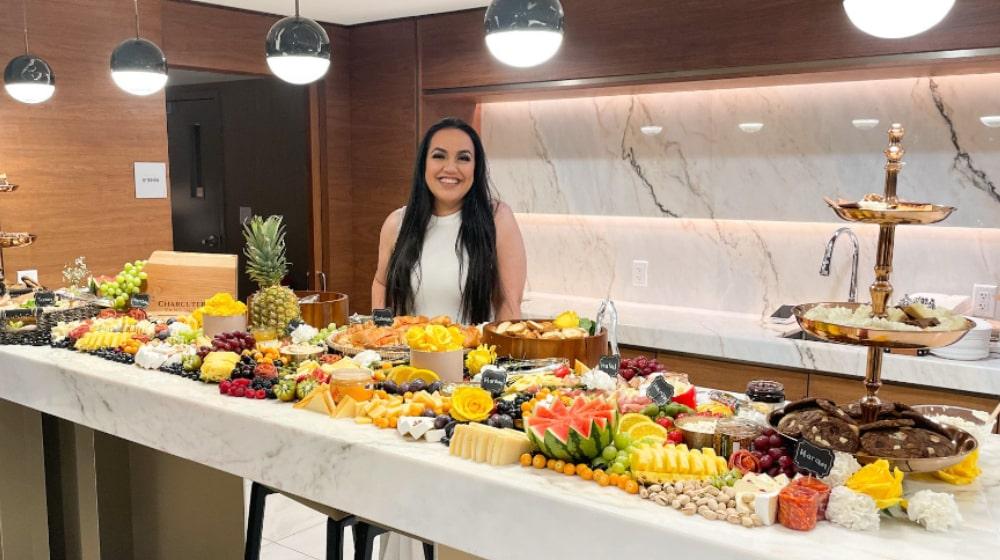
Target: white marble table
(743, 337)
(507, 512)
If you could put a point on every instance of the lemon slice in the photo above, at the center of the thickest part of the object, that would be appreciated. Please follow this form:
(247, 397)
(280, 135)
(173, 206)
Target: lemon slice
(579, 367)
(400, 374)
(632, 419)
(644, 429)
(425, 375)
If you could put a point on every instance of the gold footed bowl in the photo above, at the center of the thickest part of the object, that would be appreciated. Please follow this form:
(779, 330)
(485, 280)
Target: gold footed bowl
(588, 349)
(964, 442)
(874, 337)
(899, 217)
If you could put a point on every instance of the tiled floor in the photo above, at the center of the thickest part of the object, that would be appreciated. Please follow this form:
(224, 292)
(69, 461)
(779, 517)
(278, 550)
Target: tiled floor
(294, 532)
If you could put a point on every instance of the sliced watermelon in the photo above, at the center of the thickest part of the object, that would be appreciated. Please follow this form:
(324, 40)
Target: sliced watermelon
(577, 433)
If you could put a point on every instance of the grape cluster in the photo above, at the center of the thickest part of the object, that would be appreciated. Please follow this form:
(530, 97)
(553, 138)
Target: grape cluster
(244, 368)
(125, 285)
(266, 384)
(37, 337)
(235, 341)
(774, 456)
(178, 370)
(641, 366)
(512, 407)
(415, 386)
(65, 342)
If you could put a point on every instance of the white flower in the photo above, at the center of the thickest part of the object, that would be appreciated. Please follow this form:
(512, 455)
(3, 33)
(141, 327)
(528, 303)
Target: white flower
(303, 333)
(853, 510)
(936, 511)
(177, 328)
(597, 379)
(844, 465)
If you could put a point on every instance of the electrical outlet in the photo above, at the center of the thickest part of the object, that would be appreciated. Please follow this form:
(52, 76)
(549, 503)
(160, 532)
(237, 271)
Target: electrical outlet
(984, 300)
(30, 273)
(640, 270)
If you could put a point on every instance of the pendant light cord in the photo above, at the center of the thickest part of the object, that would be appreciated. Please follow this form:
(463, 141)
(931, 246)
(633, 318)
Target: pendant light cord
(136, 3)
(24, 14)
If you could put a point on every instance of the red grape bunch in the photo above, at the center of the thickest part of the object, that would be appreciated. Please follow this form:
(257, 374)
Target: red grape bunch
(774, 456)
(235, 341)
(641, 366)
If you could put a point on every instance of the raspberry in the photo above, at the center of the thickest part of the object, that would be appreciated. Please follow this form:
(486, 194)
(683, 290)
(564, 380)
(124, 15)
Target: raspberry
(224, 387)
(242, 382)
(237, 391)
(261, 394)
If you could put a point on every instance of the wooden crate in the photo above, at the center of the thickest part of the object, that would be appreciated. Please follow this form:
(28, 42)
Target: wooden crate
(181, 282)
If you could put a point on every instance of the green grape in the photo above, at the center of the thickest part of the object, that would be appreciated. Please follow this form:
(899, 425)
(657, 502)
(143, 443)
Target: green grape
(609, 453)
(120, 301)
(143, 276)
(617, 468)
(622, 441)
(128, 267)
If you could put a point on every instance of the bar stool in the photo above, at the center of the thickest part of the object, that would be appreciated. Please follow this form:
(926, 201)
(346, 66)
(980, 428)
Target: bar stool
(365, 533)
(336, 522)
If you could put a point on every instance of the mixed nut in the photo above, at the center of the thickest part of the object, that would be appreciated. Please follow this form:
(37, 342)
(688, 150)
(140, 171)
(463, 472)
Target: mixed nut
(695, 496)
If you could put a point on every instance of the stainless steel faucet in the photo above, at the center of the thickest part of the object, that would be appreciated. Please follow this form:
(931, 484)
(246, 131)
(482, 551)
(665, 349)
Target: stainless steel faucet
(824, 268)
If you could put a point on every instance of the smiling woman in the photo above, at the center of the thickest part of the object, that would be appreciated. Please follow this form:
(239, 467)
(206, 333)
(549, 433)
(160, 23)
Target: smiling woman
(453, 249)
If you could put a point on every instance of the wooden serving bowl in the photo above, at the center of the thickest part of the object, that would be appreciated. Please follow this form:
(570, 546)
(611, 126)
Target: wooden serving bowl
(588, 349)
(331, 308)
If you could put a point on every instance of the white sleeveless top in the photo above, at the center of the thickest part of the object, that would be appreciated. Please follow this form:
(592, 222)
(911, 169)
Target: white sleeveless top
(438, 280)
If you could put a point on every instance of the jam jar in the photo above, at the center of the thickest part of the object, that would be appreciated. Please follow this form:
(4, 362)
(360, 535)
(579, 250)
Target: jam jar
(765, 395)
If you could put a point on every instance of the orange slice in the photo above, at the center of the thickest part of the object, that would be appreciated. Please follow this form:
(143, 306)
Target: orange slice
(644, 429)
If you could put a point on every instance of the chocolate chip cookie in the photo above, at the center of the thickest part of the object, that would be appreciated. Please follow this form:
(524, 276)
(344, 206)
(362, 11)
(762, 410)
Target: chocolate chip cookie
(791, 424)
(906, 442)
(832, 433)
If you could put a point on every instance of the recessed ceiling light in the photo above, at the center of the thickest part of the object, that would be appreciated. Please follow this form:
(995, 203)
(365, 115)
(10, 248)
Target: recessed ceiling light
(864, 124)
(992, 121)
(751, 127)
(651, 129)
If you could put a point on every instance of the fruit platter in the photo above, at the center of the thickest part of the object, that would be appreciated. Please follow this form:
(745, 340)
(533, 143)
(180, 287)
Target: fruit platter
(640, 429)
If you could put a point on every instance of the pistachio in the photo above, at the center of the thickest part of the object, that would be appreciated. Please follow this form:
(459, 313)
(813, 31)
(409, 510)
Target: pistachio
(676, 504)
(659, 500)
(746, 521)
(757, 521)
(685, 500)
(655, 488)
(730, 491)
(712, 503)
(734, 518)
(643, 493)
(689, 509)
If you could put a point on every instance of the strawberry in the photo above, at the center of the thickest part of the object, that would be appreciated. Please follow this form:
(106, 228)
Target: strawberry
(666, 421)
(675, 436)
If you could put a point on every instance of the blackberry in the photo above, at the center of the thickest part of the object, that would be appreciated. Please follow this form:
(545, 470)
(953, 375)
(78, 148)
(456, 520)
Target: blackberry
(269, 393)
(172, 369)
(64, 343)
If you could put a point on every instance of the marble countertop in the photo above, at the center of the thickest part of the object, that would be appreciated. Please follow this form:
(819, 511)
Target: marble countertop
(744, 337)
(505, 512)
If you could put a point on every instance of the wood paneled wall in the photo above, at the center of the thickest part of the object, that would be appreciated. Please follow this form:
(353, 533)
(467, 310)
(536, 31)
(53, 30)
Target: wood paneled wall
(633, 37)
(72, 156)
(202, 36)
(383, 68)
(338, 215)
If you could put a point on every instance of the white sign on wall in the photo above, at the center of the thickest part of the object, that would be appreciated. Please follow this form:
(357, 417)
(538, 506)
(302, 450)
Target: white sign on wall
(150, 179)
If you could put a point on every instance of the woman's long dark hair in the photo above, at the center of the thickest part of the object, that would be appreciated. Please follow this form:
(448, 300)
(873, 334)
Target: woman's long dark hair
(477, 237)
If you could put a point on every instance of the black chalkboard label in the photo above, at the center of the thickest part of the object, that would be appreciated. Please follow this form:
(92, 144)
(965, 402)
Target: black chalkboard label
(609, 364)
(493, 380)
(382, 317)
(660, 391)
(816, 460)
(139, 301)
(45, 299)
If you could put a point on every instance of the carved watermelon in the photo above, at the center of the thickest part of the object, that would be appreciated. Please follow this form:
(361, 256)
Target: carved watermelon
(578, 433)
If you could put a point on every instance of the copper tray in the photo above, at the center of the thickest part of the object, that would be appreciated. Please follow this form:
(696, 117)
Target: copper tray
(893, 217)
(873, 337)
(964, 442)
(588, 349)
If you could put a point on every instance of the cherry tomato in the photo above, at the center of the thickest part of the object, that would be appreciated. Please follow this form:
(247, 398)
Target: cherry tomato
(561, 371)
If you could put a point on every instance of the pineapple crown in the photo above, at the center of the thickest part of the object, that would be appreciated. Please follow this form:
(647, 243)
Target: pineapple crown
(265, 250)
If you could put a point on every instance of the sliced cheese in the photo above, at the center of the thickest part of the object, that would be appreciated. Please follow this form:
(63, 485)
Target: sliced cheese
(434, 436)
(348, 408)
(318, 400)
(766, 507)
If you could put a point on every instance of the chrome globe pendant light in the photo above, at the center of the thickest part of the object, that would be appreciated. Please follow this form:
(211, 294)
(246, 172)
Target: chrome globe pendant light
(298, 49)
(138, 65)
(524, 33)
(895, 19)
(28, 78)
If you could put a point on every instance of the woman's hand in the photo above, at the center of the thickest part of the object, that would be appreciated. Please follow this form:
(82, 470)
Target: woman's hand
(512, 263)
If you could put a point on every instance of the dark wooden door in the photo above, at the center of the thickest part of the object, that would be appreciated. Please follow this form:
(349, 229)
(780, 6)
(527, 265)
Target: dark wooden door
(197, 174)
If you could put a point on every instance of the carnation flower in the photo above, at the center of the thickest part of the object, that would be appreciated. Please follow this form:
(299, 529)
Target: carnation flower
(852, 510)
(936, 511)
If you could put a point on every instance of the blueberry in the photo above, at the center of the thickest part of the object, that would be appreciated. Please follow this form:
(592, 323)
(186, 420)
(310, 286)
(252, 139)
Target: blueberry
(450, 429)
(434, 387)
(503, 421)
(390, 387)
(417, 385)
(429, 413)
(441, 421)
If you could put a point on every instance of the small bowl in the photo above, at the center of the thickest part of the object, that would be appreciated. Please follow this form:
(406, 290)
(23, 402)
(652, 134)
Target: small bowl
(696, 439)
(297, 354)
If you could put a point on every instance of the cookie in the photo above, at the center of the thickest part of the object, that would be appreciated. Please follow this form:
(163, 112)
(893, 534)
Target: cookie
(791, 423)
(906, 442)
(832, 433)
(888, 423)
(802, 404)
(854, 410)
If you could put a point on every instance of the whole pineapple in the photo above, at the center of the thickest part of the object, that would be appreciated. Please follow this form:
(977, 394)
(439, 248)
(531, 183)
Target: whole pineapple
(273, 305)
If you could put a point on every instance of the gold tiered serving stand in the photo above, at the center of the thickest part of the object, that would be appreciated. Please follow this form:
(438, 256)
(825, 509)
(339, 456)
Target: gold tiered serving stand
(881, 290)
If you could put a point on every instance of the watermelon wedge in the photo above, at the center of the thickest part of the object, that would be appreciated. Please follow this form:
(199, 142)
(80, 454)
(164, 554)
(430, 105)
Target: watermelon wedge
(578, 433)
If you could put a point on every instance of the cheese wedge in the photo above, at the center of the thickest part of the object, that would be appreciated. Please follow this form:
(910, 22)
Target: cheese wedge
(318, 400)
(348, 408)
(484, 444)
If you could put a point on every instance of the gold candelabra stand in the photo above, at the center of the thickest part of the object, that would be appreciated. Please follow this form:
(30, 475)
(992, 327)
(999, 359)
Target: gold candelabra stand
(878, 340)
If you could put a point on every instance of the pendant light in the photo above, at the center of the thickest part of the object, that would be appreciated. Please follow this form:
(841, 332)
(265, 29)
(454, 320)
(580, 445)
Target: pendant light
(298, 49)
(138, 65)
(895, 19)
(524, 33)
(28, 78)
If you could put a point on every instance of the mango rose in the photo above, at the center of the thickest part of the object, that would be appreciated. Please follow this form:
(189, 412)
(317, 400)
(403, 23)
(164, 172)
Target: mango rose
(482, 356)
(471, 404)
(876, 481)
(962, 473)
(567, 320)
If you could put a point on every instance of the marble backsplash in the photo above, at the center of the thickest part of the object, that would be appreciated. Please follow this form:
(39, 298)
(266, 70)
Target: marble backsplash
(588, 156)
(742, 266)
